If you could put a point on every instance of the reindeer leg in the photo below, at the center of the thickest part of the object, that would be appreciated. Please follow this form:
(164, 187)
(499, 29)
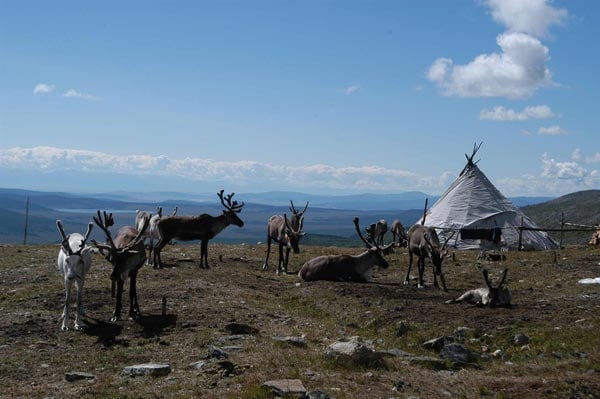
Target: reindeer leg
(79, 324)
(65, 313)
(421, 264)
(410, 261)
(281, 260)
(435, 283)
(119, 305)
(204, 254)
(134, 308)
(265, 265)
(287, 258)
(156, 253)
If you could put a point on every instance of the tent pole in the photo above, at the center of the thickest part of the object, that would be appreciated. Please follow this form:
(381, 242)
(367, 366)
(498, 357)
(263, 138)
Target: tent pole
(520, 235)
(424, 212)
(562, 226)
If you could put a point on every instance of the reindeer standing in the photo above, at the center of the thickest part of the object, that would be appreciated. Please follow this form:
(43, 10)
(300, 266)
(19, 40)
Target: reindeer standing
(345, 267)
(127, 255)
(399, 232)
(151, 233)
(377, 231)
(74, 262)
(423, 242)
(201, 227)
(487, 296)
(287, 234)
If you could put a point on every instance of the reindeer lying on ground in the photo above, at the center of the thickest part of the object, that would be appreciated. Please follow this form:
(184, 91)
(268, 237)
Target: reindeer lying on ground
(74, 261)
(423, 242)
(151, 233)
(376, 231)
(399, 232)
(201, 227)
(487, 296)
(127, 255)
(280, 230)
(345, 267)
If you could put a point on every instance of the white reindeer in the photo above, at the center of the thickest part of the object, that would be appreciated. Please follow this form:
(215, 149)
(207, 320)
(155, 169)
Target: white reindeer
(487, 296)
(152, 234)
(74, 261)
(357, 268)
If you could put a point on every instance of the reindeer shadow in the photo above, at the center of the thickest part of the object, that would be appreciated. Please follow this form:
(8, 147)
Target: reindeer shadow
(154, 325)
(105, 332)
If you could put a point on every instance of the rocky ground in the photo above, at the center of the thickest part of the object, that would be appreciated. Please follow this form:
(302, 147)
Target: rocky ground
(233, 331)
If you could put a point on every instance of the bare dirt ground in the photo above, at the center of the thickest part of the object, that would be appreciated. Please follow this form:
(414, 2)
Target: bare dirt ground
(560, 317)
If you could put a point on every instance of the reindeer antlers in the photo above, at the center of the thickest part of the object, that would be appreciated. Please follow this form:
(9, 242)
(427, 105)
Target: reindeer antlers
(295, 212)
(232, 207)
(104, 224)
(370, 243)
(65, 238)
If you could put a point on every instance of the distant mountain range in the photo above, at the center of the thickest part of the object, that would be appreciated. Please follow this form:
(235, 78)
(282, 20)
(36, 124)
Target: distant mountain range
(328, 220)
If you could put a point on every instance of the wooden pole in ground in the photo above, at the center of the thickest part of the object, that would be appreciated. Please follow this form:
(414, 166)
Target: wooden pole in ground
(520, 235)
(562, 226)
(424, 212)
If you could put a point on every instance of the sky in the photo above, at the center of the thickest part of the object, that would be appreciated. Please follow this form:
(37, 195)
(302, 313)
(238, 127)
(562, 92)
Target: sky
(315, 96)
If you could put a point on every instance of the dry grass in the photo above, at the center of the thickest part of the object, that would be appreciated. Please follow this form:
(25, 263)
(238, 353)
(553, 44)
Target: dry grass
(560, 317)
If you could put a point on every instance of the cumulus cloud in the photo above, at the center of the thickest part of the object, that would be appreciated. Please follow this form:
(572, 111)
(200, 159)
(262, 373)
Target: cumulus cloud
(552, 131)
(534, 17)
(77, 94)
(43, 88)
(500, 113)
(576, 154)
(562, 170)
(516, 72)
(351, 89)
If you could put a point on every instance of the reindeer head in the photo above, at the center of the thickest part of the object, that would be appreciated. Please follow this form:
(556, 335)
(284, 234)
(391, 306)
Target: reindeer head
(499, 295)
(436, 252)
(375, 250)
(73, 260)
(293, 236)
(128, 249)
(297, 216)
(231, 209)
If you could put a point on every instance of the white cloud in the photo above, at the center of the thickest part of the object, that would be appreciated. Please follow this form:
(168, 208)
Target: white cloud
(517, 72)
(562, 170)
(534, 17)
(351, 89)
(500, 113)
(576, 155)
(43, 88)
(77, 94)
(552, 131)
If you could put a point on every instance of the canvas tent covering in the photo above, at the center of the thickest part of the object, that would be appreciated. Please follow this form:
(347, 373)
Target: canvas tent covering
(477, 212)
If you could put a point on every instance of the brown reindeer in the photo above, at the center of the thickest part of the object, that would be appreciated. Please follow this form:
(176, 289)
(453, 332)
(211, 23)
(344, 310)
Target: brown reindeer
(423, 242)
(345, 267)
(282, 231)
(202, 227)
(398, 232)
(377, 231)
(127, 255)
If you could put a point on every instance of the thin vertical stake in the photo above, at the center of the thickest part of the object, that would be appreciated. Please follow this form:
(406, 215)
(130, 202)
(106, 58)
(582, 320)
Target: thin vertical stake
(424, 212)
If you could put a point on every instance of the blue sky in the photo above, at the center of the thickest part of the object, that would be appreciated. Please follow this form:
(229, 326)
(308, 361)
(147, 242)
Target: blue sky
(312, 96)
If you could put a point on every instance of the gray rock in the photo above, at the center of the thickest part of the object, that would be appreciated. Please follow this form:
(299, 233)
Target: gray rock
(295, 341)
(78, 376)
(216, 352)
(401, 328)
(199, 365)
(521, 339)
(233, 348)
(428, 361)
(355, 348)
(316, 394)
(458, 353)
(286, 387)
(396, 353)
(153, 369)
(438, 343)
(461, 333)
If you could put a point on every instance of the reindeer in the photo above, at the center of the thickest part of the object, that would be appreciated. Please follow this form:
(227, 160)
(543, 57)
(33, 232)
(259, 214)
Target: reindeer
(377, 231)
(74, 262)
(423, 242)
(345, 267)
(151, 233)
(487, 296)
(127, 255)
(398, 231)
(280, 230)
(201, 227)
(297, 216)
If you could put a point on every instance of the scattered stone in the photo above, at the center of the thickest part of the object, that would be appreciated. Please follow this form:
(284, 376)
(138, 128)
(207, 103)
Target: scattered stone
(461, 333)
(458, 353)
(396, 353)
(233, 348)
(235, 337)
(199, 365)
(428, 361)
(72, 376)
(286, 387)
(401, 328)
(227, 368)
(355, 348)
(239, 328)
(521, 339)
(557, 355)
(498, 353)
(216, 352)
(316, 394)
(147, 369)
(438, 343)
(295, 341)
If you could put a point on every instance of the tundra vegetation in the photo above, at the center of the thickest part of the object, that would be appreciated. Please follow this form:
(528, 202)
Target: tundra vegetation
(560, 318)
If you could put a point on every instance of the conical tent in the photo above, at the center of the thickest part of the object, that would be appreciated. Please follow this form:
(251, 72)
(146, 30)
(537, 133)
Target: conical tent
(481, 217)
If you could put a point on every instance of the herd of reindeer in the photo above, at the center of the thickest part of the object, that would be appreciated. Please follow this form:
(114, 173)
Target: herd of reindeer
(126, 252)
